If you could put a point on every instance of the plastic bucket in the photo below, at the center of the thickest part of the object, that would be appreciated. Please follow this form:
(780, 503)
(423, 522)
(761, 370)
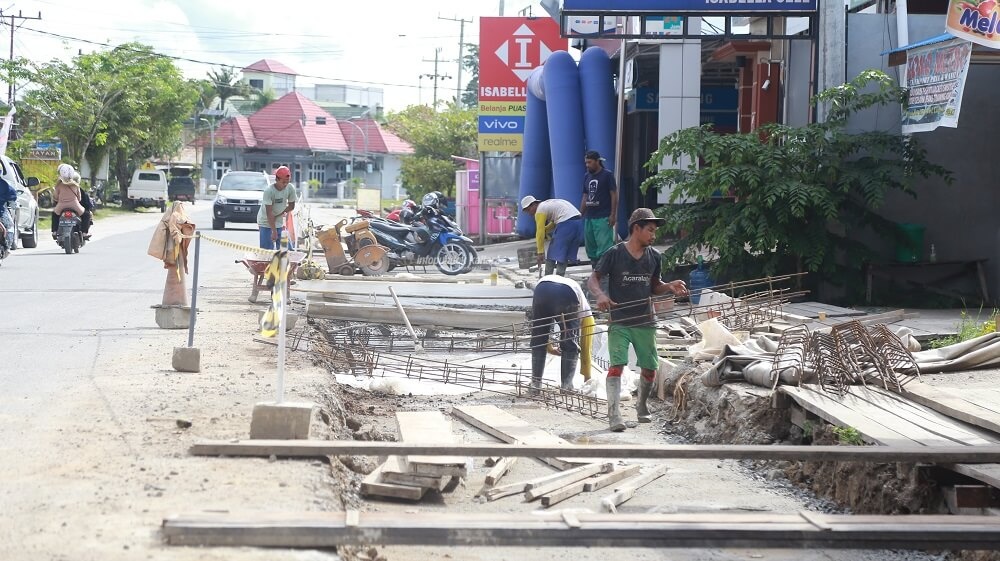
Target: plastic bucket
(909, 242)
(698, 280)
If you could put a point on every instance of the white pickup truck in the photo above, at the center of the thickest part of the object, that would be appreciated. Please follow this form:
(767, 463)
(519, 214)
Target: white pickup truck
(148, 189)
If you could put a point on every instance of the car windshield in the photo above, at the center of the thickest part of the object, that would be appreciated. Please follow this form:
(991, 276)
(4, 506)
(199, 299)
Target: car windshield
(244, 183)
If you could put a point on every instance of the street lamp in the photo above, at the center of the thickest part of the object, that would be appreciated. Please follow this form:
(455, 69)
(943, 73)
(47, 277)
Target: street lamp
(211, 124)
(351, 146)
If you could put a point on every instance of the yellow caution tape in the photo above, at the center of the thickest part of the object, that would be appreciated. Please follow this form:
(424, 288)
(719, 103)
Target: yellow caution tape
(237, 246)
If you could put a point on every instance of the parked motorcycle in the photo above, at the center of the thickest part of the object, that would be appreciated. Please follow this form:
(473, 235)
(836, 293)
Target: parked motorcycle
(452, 253)
(69, 234)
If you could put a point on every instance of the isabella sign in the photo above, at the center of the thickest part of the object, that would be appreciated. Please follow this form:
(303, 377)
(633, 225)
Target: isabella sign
(975, 20)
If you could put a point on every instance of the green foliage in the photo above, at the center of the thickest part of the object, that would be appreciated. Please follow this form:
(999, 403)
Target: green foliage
(470, 97)
(968, 328)
(793, 198)
(261, 99)
(848, 435)
(435, 137)
(227, 84)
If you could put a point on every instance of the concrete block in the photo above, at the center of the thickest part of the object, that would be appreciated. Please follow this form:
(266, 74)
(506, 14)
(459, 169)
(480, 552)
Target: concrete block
(290, 319)
(282, 421)
(187, 359)
(172, 317)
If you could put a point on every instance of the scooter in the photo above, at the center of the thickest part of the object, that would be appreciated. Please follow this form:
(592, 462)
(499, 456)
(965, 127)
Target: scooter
(69, 235)
(452, 253)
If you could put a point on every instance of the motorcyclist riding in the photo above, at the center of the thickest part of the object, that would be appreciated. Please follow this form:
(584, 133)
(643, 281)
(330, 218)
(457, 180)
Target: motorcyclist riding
(69, 197)
(8, 198)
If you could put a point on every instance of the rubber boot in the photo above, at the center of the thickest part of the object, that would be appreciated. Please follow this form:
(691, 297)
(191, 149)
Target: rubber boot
(561, 269)
(537, 369)
(645, 386)
(569, 363)
(549, 267)
(614, 387)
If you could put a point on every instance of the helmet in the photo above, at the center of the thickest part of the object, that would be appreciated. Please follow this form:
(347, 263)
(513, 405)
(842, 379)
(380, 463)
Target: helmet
(282, 173)
(434, 199)
(409, 204)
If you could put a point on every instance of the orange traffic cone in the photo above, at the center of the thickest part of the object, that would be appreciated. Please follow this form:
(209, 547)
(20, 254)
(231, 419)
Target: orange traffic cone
(174, 292)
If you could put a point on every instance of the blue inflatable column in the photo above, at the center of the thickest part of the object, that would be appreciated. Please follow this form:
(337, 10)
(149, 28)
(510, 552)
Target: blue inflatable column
(536, 161)
(565, 111)
(600, 115)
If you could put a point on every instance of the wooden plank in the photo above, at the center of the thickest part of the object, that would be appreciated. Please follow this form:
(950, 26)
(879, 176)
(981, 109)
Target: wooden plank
(372, 484)
(320, 448)
(981, 398)
(896, 420)
(423, 316)
(926, 417)
(410, 290)
(715, 530)
(430, 427)
(520, 487)
(987, 473)
(500, 470)
(611, 478)
(506, 427)
(628, 488)
(560, 495)
(571, 476)
(397, 472)
(838, 414)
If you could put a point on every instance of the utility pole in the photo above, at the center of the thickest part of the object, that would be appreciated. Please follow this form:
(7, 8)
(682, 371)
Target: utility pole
(461, 54)
(436, 76)
(20, 16)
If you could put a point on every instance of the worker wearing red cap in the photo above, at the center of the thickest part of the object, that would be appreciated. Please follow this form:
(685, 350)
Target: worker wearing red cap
(279, 201)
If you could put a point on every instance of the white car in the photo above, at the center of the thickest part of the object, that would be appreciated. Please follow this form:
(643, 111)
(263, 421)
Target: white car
(26, 213)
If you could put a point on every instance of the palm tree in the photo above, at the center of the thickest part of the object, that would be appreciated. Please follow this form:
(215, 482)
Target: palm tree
(261, 99)
(227, 84)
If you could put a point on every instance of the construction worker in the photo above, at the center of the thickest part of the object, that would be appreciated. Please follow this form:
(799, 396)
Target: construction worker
(633, 271)
(559, 300)
(563, 220)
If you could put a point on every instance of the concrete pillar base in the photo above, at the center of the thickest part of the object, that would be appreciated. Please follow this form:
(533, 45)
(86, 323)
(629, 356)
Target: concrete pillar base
(288, 420)
(290, 319)
(173, 317)
(187, 359)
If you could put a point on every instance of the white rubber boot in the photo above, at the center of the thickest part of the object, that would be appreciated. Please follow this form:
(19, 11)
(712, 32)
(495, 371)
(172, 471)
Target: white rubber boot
(614, 388)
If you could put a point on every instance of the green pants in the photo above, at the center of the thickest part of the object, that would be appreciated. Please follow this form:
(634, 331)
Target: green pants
(599, 237)
(642, 339)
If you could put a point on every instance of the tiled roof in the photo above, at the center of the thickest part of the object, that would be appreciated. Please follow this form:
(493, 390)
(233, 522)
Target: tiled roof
(291, 123)
(234, 132)
(271, 66)
(379, 140)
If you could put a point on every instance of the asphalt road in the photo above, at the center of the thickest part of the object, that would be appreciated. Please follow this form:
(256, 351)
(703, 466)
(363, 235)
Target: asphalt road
(62, 310)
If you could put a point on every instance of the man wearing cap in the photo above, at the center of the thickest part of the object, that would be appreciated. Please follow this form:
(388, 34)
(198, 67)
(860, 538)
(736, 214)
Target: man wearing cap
(599, 206)
(633, 271)
(279, 200)
(562, 217)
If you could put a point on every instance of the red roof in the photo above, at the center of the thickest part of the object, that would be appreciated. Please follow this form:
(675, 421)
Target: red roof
(234, 132)
(280, 125)
(379, 140)
(271, 66)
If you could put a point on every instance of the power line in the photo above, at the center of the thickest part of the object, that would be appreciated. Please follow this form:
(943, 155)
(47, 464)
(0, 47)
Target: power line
(461, 54)
(23, 18)
(436, 76)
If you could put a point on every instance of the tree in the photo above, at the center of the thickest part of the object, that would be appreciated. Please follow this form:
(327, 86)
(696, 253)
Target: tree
(206, 92)
(227, 84)
(435, 137)
(794, 198)
(470, 97)
(261, 99)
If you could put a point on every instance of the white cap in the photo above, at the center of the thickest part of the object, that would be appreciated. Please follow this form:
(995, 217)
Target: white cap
(65, 172)
(527, 201)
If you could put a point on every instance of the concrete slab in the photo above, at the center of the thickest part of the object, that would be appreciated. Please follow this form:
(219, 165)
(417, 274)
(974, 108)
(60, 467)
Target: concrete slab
(290, 319)
(285, 420)
(172, 317)
(187, 359)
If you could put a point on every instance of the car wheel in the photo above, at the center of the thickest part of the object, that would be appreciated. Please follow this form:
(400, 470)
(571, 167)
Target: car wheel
(218, 224)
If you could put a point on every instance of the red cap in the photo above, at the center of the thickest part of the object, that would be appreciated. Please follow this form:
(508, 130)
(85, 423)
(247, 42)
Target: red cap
(283, 172)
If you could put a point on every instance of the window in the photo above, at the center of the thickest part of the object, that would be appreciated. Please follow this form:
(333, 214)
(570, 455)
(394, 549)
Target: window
(259, 84)
(221, 167)
(320, 120)
(317, 172)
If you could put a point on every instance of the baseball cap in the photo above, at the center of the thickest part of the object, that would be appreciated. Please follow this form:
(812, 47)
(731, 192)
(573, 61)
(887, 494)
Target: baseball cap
(644, 214)
(527, 201)
(593, 155)
(282, 171)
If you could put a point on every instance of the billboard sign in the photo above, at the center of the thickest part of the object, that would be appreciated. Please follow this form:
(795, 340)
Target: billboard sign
(509, 49)
(689, 6)
(979, 23)
(935, 76)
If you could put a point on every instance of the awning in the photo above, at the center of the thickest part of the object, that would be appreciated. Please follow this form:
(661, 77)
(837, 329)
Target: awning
(897, 56)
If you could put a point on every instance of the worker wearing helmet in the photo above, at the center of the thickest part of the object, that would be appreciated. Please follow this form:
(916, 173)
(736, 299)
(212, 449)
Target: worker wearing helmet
(278, 201)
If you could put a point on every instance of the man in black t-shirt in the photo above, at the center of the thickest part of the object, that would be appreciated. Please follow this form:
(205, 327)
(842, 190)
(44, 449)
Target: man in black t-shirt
(599, 206)
(633, 271)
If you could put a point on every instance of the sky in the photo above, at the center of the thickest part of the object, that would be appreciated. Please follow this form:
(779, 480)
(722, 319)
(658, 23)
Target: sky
(378, 43)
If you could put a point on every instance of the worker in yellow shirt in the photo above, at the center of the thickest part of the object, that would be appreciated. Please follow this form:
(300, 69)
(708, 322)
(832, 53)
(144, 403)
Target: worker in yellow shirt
(560, 301)
(563, 219)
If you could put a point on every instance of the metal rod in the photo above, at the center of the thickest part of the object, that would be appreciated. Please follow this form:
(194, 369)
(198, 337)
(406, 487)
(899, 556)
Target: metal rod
(194, 290)
(406, 320)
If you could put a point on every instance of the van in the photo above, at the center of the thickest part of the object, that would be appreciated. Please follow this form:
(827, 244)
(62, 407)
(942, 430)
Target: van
(148, 189)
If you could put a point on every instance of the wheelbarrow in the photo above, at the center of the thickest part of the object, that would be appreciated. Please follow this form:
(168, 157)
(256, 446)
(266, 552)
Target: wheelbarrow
(257, 263)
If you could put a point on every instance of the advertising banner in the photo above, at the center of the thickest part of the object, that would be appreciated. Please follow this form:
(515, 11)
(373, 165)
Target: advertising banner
(935, 75)
(509, 49)
(974, 20)
(689, 6)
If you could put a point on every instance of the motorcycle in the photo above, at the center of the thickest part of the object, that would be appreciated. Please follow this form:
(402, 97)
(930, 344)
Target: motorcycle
(69, 235)
(451, 252)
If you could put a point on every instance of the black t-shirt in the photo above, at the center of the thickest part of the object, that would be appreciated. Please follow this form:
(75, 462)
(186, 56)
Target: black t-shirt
(598, 187)
(630, 283)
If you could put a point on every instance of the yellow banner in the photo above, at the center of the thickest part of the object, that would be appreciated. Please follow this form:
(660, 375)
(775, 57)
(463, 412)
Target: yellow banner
(501, 142)
(502, 107)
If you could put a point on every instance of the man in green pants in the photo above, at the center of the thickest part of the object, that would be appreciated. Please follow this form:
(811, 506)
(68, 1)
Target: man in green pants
(599, 207)
(633, 271)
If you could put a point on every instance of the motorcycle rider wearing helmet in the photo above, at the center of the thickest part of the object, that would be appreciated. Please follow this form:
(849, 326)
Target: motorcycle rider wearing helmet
(69, 197)
(278, 200)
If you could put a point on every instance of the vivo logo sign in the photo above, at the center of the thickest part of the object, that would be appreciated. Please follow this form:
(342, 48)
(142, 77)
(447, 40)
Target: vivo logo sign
(501, 124)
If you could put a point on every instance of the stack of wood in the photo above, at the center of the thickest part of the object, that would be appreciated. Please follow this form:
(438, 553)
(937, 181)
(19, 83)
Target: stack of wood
(555, 488)
(410, 477)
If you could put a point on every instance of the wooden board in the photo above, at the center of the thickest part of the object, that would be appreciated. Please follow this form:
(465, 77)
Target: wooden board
(499, 470)
(372, 484)
(419, 316)
(506, 427)
(411, 289)
(430, 427)
(320, 448)
(715, 530)
(927, 418)
(395, 471)
(572, 476)
(627, 489)
(611, 478)
(836, 413)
